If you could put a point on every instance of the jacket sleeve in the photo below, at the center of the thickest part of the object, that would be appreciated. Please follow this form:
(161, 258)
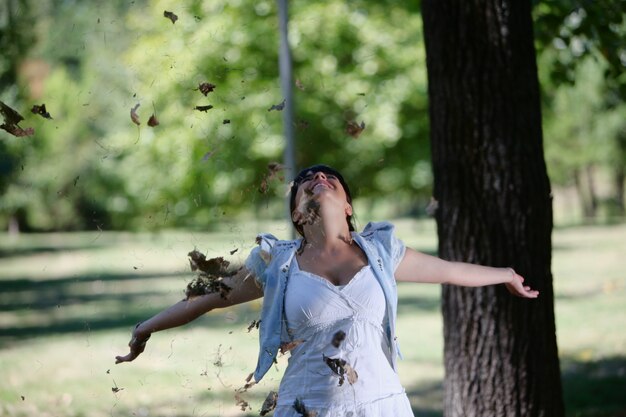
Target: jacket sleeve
(382, 235)
(260, 257)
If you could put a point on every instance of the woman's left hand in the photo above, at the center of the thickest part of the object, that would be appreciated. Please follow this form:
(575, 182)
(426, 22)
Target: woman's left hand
(516, 286)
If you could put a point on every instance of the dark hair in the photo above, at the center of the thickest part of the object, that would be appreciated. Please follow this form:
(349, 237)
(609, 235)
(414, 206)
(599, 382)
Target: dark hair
(302, 175)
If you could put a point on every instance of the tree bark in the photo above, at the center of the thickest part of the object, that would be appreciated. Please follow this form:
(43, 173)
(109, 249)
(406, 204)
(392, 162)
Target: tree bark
(494, 207)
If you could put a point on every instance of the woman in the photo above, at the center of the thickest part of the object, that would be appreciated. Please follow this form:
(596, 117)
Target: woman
(330, 298)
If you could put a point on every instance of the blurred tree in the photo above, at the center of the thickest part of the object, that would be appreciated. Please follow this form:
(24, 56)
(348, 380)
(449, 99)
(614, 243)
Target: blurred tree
(494, 207)
(569, 35)
(16, 39)
(92, 167)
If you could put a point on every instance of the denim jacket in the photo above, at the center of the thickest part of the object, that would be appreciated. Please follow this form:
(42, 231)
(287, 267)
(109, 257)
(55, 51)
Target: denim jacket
(270, 262)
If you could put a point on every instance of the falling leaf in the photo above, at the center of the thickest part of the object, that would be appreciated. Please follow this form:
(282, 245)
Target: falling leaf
(243, 404)
(41, 110)
(206, 88)
(270, 403)
(278, 107)
(115, 388)
(342, 369)
(299, 84)
(171, 16)
(254, 324)
(153, 121)
(11, 120)
(298, 405)
(133, 115)
(302, 124)
(210, 278)
(338, 337)
(204, 108)
(432, 206)
(289, 346)
(354, 129)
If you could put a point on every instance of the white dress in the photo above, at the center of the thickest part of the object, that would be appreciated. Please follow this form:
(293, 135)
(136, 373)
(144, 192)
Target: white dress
(316, 311)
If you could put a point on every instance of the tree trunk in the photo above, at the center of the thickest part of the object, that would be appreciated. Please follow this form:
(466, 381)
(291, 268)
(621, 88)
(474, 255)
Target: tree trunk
(591, 187)
(620, 173)
(494, 207)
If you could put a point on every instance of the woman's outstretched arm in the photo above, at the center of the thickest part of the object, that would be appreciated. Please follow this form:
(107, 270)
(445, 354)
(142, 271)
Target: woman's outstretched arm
(420, 267)
(243, 288)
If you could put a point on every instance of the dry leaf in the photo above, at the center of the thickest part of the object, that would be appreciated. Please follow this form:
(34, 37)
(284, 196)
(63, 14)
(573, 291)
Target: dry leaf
(254, 324)
(133, 115)
(208, 155)
(204, 108)
(211, 276)
(41, 110)
(152, 121)
(338, 337)
(171, 16)
(298, 405)
(432, 206)
(342, 369)
(288, 346)
(278, 107)
(206, 88)
(243, 404)
(270, 403)
(354, 129)
(11, 120)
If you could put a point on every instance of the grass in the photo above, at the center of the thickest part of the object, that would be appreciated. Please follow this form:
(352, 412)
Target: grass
(68, 302)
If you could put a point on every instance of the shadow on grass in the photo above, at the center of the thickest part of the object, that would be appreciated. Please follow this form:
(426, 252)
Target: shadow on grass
(594, 388)
(42, 308)
(409, 303)
(45, 249)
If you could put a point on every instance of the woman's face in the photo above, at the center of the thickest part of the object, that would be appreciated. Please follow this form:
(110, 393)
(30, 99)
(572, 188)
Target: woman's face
(321, 186)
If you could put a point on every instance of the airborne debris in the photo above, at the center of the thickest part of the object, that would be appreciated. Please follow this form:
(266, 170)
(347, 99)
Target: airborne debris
(338, 337)
(204, 108)
(342, 369)
(133, 115)
(308, 208)
(41, 110)
(288, 346)
(278, 107)
(171, 16)
(206, 88)
(270, 403)
(153, 121)
(298, 405)
(254, 324)
(273, 169)
(115, 388)
(354, 129)
(211, 275)
(11, 120)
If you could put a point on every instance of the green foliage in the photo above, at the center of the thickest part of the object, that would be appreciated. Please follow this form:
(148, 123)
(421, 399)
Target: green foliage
(91, 167)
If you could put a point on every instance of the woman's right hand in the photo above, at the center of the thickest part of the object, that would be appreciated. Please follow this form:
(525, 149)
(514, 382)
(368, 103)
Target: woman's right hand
(137, 344)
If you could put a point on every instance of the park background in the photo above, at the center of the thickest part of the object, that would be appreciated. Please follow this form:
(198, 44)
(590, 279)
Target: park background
(100, 212)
